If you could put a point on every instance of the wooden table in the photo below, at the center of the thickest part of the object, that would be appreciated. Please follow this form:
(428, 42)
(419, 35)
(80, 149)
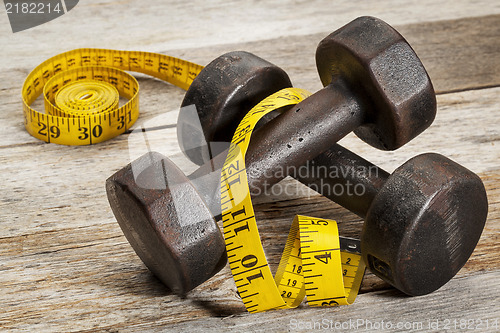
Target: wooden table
(64, 262)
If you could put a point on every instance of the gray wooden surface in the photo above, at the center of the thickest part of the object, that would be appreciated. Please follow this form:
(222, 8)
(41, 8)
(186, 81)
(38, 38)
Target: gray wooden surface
(64, 262)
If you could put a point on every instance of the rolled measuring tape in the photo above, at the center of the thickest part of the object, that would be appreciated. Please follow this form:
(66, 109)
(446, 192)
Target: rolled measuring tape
(81, 90)
(315, 262)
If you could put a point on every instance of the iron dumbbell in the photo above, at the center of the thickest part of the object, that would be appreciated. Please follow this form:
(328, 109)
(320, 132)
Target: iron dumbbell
(162, 213)
(422, 223)
(232, 83)
(133, 206)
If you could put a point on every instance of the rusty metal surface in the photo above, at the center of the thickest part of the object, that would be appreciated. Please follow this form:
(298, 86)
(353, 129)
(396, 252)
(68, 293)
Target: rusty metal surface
(375, 86)
(232, 83)
(300, 134)
(311, 127)
(424, 224)
(294, 137)
(166, 222)
(338, 173)
(382, 70)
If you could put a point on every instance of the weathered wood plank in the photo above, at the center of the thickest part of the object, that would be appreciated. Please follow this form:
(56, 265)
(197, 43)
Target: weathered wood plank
(436, 312)
(167, 25)
(65, 264)
(459, 54)
(91, 274)
(63, 187)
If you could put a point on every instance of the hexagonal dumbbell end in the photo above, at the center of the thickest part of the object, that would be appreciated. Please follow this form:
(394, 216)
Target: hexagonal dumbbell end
(166, 222)
(379, 64)
(424, 223)
(224, 91)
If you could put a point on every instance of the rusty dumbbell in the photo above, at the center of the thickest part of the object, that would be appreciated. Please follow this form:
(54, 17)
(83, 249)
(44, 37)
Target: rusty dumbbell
(385, 116)
(375, 85)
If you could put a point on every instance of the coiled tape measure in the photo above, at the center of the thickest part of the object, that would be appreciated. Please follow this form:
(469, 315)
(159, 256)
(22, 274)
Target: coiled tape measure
(81, 91)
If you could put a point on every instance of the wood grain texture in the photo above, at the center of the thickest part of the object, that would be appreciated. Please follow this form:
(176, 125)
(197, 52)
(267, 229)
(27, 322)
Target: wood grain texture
(62, 182)
(158, 25)
(64, 262)
(445, 305)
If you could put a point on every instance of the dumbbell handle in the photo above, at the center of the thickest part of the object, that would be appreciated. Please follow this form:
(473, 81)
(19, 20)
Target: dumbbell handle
(338, 174)
(344, 177)
(288, 141)
(302, 133)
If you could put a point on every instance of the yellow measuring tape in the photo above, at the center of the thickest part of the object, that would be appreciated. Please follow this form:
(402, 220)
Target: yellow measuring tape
(81, 91)
(312, 263)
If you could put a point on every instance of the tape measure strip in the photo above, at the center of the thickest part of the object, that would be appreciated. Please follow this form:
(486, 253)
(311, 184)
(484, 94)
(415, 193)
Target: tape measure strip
(89, 113)
(312, 263)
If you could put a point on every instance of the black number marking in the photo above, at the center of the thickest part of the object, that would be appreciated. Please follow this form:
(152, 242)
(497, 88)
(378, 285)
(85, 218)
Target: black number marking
(121, 120)
(97, 131)
(256, 276)
(55, 132)
(84, 133)
(249, 261)
(239, 212)
(233, 168)
(177, 70)
(42, 130)
(324, 257)
(234, 181)
(242, 228)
